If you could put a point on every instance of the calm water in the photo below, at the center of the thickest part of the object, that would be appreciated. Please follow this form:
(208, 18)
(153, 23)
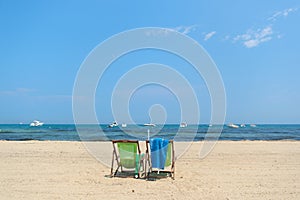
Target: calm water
(69, 132)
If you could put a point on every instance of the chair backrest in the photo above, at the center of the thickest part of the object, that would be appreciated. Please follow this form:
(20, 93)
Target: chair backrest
(128, 152)
(169, 154)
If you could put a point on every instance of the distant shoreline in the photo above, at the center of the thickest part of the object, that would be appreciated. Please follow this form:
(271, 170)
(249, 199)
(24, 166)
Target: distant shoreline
(141, 124)
(65, 132)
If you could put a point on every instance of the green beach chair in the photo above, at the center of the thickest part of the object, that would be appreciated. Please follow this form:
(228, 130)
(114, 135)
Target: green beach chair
(128, 158)
(167, 168)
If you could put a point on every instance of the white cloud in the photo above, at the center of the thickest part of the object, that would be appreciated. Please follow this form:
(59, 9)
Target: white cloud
(251, 43)
(265, 32)
(209, 35)
(161, 32)
(253, 38)
(227, 37)
(18, 91)
(55, 97)
(185, 29)
(166, 31)
(283, 13)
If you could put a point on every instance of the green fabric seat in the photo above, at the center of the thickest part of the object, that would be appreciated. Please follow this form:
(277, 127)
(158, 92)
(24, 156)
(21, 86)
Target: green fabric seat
(128, 155)
(169, 156)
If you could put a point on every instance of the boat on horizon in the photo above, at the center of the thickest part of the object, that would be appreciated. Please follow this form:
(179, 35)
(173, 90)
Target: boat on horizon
(124, 125)
(231, 125)
(114, 124)
(183, 124)
(149, 124)
(36, 123)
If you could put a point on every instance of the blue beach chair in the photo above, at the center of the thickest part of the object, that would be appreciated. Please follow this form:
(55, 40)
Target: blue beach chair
(160, 158)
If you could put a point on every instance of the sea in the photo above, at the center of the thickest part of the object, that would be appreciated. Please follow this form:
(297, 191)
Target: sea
(71, 132)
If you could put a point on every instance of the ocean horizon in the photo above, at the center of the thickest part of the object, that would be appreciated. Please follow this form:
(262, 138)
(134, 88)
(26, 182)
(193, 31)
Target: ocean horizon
(95, 132)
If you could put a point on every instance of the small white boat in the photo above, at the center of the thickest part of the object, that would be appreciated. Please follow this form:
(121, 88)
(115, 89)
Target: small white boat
(243, 125)
(183, 124)
(231, 125)
(114, 124)
(36, 123)
(124, 125)
(149, 124)
(253, 125)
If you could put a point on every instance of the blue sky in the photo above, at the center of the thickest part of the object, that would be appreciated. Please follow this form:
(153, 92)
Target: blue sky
(255, 45)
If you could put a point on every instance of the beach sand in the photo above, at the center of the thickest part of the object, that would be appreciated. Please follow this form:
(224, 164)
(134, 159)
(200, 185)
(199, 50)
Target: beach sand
(233, 170)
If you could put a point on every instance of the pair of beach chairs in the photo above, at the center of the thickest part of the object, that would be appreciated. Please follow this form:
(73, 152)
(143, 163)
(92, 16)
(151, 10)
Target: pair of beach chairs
(158, 161)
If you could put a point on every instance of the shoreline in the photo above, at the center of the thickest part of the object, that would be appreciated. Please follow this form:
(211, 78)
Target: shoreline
(198, 141)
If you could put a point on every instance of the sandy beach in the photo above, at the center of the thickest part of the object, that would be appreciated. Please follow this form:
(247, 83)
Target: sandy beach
(233, 170)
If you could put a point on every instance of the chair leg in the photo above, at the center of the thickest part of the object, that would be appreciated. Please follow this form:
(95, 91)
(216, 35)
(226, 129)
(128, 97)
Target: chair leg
(112, 165)
(143, 167)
